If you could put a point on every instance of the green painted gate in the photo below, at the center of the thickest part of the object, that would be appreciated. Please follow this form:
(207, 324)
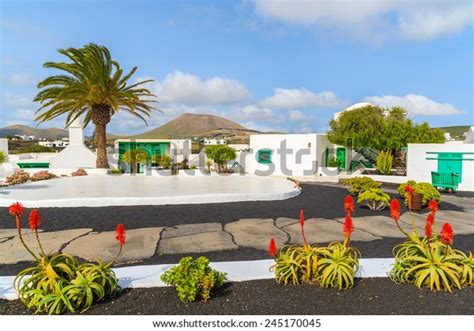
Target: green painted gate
(152, 148)
(341, 157)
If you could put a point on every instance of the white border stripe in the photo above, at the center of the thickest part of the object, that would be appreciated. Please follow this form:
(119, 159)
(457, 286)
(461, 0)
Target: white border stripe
(237, 271)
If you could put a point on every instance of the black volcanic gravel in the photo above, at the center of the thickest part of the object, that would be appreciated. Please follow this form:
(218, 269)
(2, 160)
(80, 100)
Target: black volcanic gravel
(377, 296)
(317, 200)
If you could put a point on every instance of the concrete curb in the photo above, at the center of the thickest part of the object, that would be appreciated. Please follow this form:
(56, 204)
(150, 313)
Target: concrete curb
(237, 271)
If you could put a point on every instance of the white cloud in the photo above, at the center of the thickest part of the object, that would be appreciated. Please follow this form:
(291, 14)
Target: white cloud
(262, 127)
(20, 79)
(296, 115)
(252, 112)
(24, 114)
(415, 104)
(432, 23)
(370, 19)
(300, 98)
(15, 100)
(185, 88)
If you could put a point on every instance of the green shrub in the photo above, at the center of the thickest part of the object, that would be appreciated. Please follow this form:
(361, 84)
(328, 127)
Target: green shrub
(334, 162)
(384, 162)
(194, 279)
(356, 185)
(401, 188)
(18, 177)
(116, 171)
(164, 161)
(374, 198)
(429, 191)
(221, 154)
(3, 157)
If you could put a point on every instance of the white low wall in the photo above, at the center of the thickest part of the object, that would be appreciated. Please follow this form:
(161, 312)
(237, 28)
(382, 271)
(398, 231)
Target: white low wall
(419, 167)
(292, 154)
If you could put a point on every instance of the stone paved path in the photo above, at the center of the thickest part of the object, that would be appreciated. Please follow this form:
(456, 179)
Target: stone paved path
(206, 237)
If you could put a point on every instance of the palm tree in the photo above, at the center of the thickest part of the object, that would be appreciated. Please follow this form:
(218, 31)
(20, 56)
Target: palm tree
(134, 157)
(92, 85)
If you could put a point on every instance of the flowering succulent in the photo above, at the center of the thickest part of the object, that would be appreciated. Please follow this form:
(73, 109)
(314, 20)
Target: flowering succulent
(331, 266)
(59, 282)
(431, 262)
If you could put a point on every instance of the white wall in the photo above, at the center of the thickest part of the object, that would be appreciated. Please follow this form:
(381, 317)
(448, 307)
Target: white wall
(301, 156)
(419, 168)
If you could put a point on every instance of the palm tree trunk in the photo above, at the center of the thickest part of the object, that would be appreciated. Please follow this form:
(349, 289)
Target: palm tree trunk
(101, 117)
(101, 139)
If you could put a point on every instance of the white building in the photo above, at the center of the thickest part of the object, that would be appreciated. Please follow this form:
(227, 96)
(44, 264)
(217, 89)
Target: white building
(422, 159)
(178, 149)
(469, 136)
(214, 141)
(55, 143)
(240, 147)
(288, 154)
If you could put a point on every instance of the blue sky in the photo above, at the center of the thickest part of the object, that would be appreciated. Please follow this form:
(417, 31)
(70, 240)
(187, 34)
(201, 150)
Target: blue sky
(280, 65)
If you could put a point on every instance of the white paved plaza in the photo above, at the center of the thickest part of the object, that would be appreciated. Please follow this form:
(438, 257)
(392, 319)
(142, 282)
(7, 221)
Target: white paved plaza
(125, 190)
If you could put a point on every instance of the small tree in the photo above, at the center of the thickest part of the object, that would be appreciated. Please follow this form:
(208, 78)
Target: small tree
(135, 156)
(221, 154)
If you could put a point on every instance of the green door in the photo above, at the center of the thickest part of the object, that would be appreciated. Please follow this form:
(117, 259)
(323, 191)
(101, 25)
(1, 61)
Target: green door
(341, 157)
(450, 163)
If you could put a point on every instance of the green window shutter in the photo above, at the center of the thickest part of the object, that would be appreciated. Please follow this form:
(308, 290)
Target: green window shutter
(264, 156)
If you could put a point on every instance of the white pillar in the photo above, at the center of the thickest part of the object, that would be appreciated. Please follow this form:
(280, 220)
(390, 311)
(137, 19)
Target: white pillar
(4, 145)
(76, 133)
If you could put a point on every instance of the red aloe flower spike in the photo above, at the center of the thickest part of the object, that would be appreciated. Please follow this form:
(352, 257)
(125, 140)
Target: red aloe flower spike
(34, 219)
(428, 229)
(16, 209)
(302, 226)
(430, 219)
(395, 214)
(272, 248)
(447, 235)
(433, 206)
(349, 204)
(348, 227)
(395, 210)
(410, 190)
(120, 234)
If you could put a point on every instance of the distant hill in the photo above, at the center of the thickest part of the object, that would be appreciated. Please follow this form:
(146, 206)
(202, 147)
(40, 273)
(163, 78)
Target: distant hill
(50, 133)
(456, 131)
(197, 125)
(18, 129)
